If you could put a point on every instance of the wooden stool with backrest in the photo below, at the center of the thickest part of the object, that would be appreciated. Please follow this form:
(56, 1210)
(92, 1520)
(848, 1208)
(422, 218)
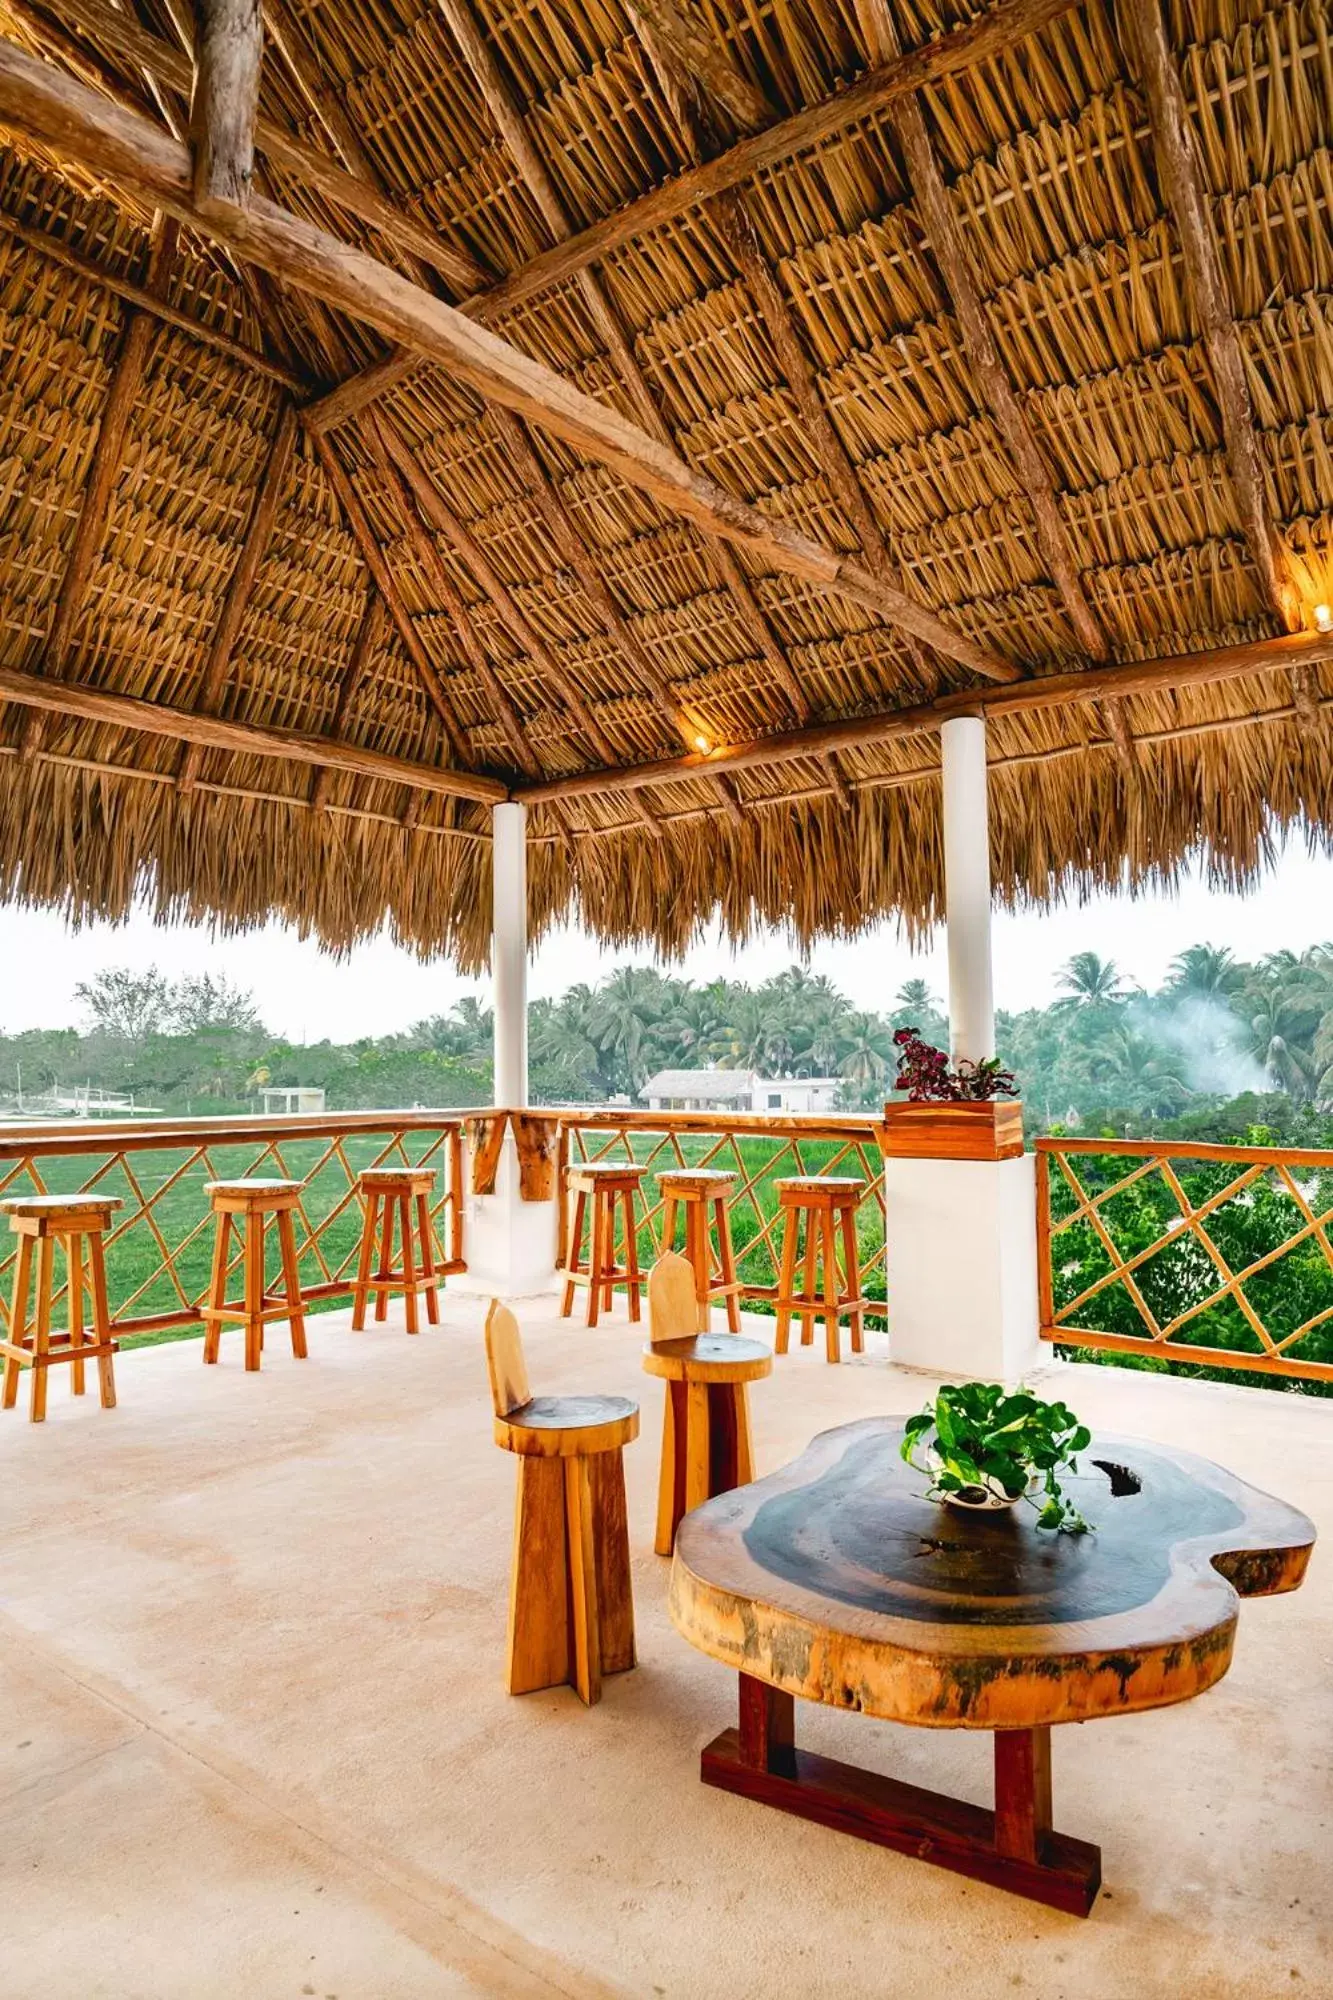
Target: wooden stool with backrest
(571, 1606)
(605, 1186)
(245, 1206)
(827, 1203)
(77, 1222)
(696, 1190)
(706, 1446)
(403, 1193)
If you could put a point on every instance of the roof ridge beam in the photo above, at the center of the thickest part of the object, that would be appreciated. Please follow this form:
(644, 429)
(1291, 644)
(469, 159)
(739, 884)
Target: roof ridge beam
(1181, 181)
(1297, 653)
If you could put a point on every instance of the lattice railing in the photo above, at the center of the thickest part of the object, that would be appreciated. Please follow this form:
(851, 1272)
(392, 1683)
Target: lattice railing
(1215, 1255)
(759, 1151)
(159, 1249)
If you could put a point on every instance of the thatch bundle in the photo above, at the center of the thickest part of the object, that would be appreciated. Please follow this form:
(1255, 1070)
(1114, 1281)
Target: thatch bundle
(439, 580)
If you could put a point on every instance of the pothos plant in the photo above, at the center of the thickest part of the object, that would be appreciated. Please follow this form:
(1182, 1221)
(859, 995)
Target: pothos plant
(976, 1438)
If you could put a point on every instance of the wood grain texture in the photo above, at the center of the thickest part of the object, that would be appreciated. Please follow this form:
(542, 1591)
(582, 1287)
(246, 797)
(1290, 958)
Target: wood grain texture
(836, 1580)
(229, 47)
(953, 1131)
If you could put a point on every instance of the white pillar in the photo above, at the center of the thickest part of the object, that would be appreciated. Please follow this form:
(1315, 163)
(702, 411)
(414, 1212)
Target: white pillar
(510, 1244)
(509, 952)
(967, 888)
(961, 1235)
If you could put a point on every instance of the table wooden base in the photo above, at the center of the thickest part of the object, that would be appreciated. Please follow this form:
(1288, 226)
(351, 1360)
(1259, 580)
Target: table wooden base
(1014, 1847)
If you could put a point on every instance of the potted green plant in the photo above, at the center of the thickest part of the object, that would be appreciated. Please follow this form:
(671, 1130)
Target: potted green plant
(953, 1111)
(986, 1447)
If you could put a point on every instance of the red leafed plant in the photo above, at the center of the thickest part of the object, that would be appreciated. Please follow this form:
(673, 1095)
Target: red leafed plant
(928, 1077)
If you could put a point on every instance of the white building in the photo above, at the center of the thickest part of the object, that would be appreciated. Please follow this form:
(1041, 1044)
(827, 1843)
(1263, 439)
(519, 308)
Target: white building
(738, 1090)
(299, 1100)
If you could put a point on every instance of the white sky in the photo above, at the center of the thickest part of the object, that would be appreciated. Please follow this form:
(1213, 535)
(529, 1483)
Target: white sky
(306, 996)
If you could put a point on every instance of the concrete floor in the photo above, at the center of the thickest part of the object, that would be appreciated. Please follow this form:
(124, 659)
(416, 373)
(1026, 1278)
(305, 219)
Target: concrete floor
(255, 1741)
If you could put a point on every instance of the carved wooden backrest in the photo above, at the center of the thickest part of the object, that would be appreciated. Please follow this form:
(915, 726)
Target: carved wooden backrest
(673, 1309)
(504, 1359)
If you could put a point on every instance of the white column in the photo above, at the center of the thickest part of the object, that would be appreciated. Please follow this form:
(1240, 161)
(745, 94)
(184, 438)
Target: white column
(510, 1244)
(509, 952)
(967, 900)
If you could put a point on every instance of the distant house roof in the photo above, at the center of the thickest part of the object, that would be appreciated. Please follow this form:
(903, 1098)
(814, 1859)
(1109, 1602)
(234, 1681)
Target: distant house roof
(723, 1084)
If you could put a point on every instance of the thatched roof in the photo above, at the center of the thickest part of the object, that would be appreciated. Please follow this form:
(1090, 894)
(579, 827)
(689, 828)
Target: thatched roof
(1040, 353)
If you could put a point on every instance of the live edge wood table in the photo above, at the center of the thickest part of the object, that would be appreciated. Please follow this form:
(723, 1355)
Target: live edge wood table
(835, 1580)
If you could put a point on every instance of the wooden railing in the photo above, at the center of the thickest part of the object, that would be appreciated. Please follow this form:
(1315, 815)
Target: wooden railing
(1218, 1256)
(759, 1149)
(159, 1248)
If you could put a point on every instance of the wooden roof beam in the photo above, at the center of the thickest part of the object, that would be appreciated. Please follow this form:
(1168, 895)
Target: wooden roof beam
(373, 557)
(370, 637)
(1182, 183)
(47, 105)
(229, 48)
(122, 36)
(259, 528)
(242, 739)
(1297, 655)
(961, 290)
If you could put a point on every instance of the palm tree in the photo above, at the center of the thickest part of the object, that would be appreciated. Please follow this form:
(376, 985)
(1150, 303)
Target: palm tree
(1205, 972)
(867, 1048)
(1141, 1074)
(624, 1009)
(1090, 981)
(915, 997)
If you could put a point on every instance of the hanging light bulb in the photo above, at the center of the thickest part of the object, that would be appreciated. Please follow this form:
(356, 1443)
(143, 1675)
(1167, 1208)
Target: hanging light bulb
(701, 742)
(1323, 618)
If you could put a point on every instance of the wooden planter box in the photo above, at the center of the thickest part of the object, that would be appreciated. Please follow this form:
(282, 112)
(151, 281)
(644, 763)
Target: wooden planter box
(991, 1131)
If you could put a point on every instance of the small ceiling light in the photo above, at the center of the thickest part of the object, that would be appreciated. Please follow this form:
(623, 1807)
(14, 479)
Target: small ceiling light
(702, 743)
(1323, 618)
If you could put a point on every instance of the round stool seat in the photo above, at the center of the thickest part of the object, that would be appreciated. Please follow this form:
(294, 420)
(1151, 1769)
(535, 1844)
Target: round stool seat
(255, 1187)
(713, 1178)
(44, 1207)
(568, 1426)
(839, 1184)
(607, 1170)
(393, 1176)
(708, 1357)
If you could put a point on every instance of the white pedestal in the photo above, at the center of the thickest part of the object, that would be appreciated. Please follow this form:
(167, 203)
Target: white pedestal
(509, 1243)
(961, 1266)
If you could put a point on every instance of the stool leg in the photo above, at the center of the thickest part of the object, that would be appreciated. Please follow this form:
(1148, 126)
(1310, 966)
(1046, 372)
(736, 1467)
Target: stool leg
(361, 1289)
(427, 1235)
(292, 1282)
(669, 1483)
(723, 1441)
(744, 1439)
(598, 1255)
(610, 1535)
(668, 1238)
(254, 1290)
(585, 1621)
(698, 1445)
(851, 1260)
(409, 1264)
(106, 1368)
(832, 1339)
(217, 1288)
(786, 1282)
(74, 1290)
(572, 1254)
(385, 1271)
(696, 1255)
(633, 1280)
(18, 1317)
(538, 1647)
(41, 1348)
(808, 1293)
(726, 1264)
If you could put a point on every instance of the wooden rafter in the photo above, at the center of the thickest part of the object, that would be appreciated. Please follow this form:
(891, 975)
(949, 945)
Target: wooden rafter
(86, 129)
(259, 528)
(1182, 183)
(229, 47)
(119, 33)
(962, 291)
(243, 739)
(1114, 682)
(369, 638)
(373, 557)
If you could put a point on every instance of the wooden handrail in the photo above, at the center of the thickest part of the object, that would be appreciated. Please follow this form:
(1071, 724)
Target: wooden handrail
(1185, 1149)
(86, 1135)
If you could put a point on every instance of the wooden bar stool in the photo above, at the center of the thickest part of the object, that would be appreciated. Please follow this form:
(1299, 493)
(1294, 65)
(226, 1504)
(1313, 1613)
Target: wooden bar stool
(603, 1186)
(828, 1203)
(696, 1190)
(706, 1447)
(571, 1605)
(77, 1222)
(251, 1202)
(400, 1192)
